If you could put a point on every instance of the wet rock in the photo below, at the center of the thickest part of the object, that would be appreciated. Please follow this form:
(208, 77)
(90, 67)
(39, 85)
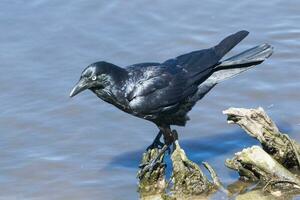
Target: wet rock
(274, 165)
(259, 125)
(255, 164)
(187, 177)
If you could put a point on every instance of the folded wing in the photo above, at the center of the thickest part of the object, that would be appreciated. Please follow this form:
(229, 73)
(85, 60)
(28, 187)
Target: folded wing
(161, 91)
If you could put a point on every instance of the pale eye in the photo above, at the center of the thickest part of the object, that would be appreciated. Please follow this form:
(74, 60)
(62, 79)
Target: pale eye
(94, 78)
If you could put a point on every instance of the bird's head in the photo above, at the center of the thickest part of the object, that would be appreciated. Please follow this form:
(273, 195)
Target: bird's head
(96, 76)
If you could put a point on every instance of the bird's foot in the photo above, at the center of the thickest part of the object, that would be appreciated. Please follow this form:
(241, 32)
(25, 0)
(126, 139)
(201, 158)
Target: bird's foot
(149, 168)
(152, 161)
(152, 174)
(153, 157)
(157, 144)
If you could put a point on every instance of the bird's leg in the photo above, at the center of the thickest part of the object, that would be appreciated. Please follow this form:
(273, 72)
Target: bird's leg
(169, 139)
(156, 143)
(175, 137)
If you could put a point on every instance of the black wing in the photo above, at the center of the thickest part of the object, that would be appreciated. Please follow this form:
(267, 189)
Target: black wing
(162, 87)
(200, 64)
(159, 89)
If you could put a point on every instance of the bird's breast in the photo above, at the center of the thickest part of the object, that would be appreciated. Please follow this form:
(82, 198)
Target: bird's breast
(117, 99)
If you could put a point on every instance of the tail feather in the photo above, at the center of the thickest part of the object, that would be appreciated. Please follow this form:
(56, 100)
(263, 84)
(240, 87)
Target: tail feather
(198, 61)
(229, 42)
(241, 62)
(255, 55)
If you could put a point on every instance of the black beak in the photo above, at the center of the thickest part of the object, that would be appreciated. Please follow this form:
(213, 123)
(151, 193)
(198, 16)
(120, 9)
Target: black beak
(79, 87)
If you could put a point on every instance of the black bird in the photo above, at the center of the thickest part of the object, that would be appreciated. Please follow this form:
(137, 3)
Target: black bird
(164, 93)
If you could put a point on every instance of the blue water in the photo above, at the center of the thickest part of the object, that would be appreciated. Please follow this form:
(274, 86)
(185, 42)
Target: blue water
(54, 147)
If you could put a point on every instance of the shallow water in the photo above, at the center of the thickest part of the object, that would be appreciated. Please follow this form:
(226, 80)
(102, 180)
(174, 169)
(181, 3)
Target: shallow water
(54, 147)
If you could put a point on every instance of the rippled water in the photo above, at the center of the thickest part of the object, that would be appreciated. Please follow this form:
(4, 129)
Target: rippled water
(54, 147)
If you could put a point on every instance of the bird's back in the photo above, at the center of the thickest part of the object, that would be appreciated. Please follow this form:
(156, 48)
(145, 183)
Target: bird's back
(165, 92)
(156, 88)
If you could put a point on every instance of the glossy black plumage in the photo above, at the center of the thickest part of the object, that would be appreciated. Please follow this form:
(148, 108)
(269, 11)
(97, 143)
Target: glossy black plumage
(164, 92)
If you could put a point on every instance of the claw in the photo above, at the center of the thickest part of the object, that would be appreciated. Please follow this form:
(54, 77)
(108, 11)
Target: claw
(149, 168)
(154, 163)
(156, 144)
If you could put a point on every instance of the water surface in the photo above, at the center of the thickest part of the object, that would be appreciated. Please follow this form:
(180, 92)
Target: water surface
(54, 147)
